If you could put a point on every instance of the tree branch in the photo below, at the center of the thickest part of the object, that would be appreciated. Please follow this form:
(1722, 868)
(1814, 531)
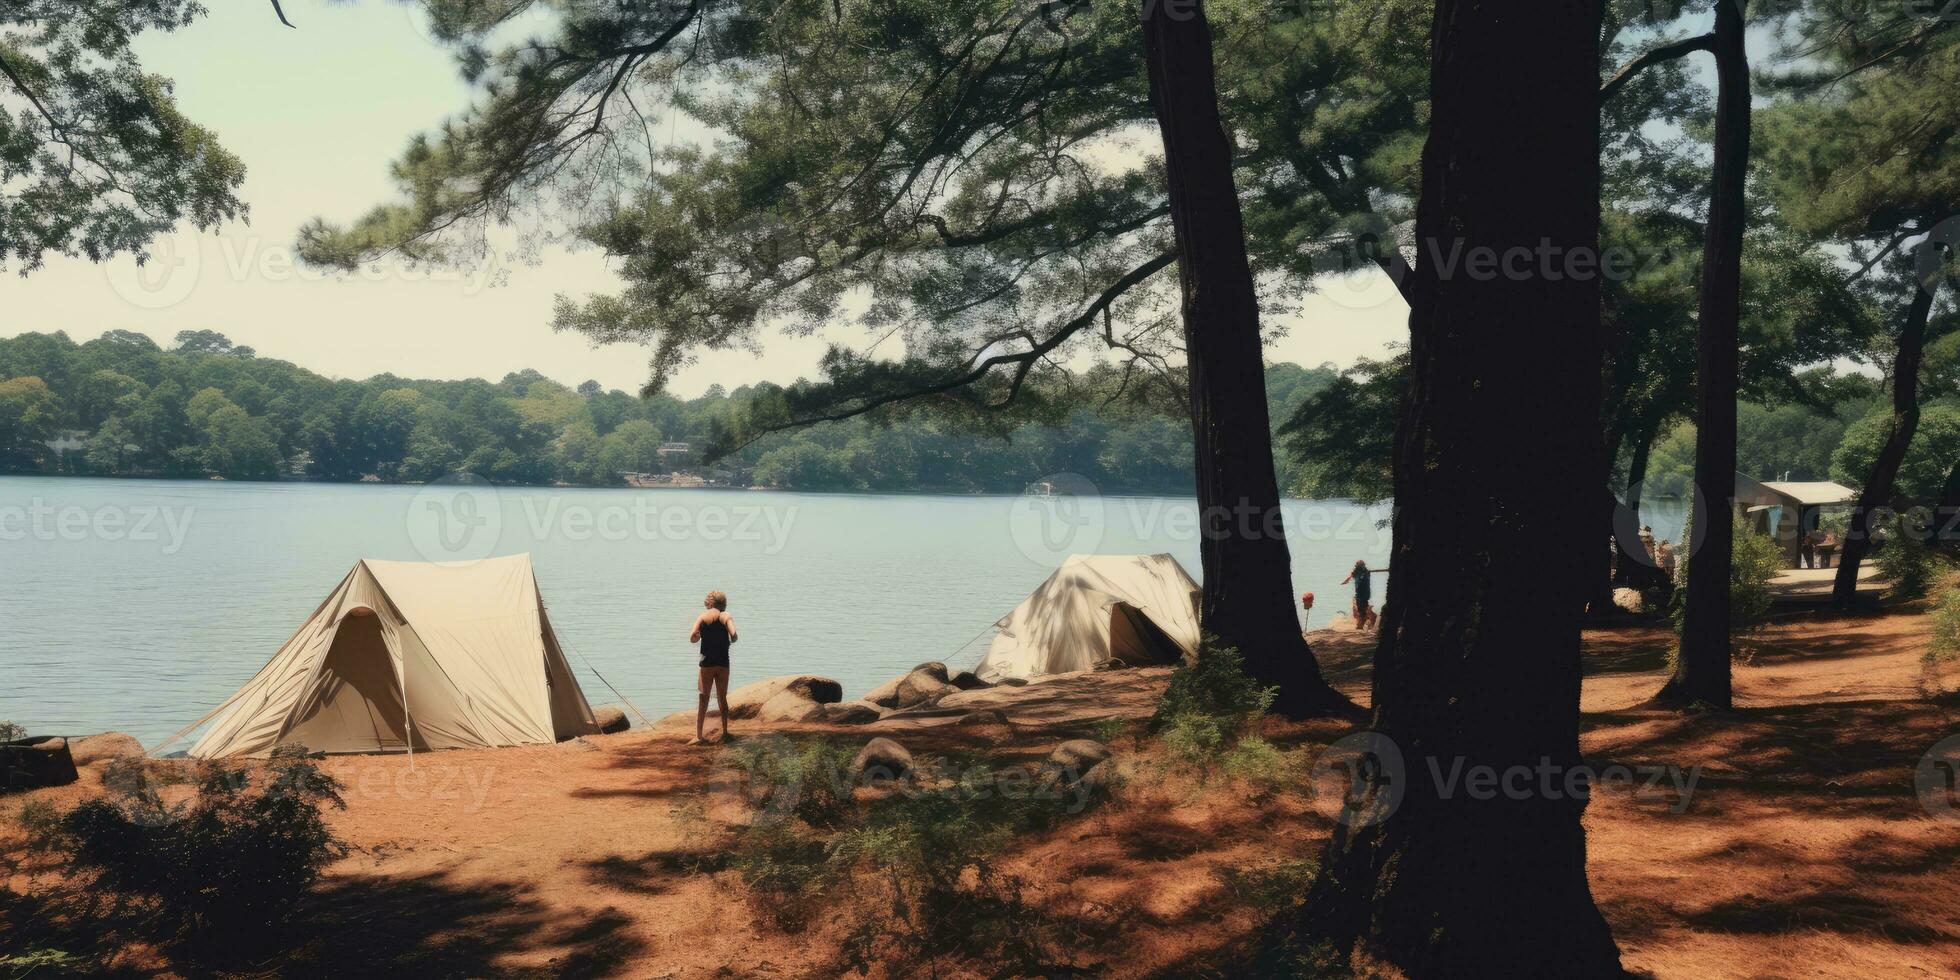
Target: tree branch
(1022, 360)
(282, 15)
(1655, 56)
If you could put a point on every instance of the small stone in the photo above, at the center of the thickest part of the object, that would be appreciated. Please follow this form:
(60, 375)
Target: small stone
(1079, 754)
(881, 759)
(611, 719)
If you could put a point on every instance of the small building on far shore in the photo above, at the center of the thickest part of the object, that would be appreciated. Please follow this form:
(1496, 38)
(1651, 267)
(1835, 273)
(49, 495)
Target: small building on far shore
(1787, 509)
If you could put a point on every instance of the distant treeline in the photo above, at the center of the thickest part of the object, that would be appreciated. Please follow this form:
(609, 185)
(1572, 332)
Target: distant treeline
(120, 405)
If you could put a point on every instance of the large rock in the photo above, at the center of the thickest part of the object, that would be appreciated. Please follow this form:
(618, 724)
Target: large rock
(853, 713)
(921, 687)
(748, 700)
(934, 669)
(790, 705)
(885, 695)
(1079, 754)
(91, 749)
(32, 763)
(611, 719)
(881, 759)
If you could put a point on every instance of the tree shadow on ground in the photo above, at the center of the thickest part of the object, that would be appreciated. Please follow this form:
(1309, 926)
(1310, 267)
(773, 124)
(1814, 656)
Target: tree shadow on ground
(425, 926)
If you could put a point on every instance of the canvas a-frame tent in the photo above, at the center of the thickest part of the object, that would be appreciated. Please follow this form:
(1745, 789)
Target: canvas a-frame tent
(411, 656)
(1098, 610)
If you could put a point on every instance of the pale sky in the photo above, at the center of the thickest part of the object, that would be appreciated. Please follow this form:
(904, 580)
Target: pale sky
(317, 114)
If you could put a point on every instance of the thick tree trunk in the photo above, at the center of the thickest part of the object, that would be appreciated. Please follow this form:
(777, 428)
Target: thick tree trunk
(1248, 572)
(1496, 487)
(1702, 674)
(1877, 492)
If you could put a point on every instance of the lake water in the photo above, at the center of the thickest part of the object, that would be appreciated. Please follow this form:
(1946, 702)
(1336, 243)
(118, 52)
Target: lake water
(138, 606)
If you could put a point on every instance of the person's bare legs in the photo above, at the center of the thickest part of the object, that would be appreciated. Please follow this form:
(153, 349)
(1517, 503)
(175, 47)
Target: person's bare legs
(721, 697)
(702, 683)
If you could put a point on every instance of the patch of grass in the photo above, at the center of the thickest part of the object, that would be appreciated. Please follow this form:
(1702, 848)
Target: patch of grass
(1277, 893)
(1262, 764)
(1107, 730)
(1273, 888)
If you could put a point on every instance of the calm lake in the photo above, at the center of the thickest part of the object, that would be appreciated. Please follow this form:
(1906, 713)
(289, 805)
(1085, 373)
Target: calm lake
(138, 606)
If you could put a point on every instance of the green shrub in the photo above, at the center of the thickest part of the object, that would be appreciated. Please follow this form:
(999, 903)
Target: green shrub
(1754, 563)
(1215, 686)
(1906, 560)
(1945, 642)
(1108, 730)
(229, 863)
(807, 778)
(912, 869)
(10, 732)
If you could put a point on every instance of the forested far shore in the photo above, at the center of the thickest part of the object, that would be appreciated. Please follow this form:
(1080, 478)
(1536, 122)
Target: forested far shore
(123, 406)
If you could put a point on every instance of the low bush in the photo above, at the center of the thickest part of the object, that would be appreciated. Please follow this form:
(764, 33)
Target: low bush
(912, 869)
(1215, 686)
(1905, 560)
(10, 732)
(231, 863)
(1945, 642)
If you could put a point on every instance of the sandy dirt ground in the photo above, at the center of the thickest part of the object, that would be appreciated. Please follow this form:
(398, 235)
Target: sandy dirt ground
(1802, 849)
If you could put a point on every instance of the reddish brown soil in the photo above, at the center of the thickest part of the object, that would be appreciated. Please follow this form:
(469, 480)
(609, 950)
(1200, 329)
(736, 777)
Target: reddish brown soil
(1803, 849)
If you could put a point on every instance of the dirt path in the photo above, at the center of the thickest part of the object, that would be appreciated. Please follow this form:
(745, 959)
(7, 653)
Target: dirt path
(1802, 849)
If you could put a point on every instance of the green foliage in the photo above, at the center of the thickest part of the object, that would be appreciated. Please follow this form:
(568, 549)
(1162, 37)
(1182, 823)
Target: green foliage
(231, 864)
(1754, 562)
(1212, 694)
(1945, 641)
(806, 777)
(911, 868)
(211, 407)
(10, 732)
(1905, 557)
(1342, 437)
(1933, 453)
(95, 158)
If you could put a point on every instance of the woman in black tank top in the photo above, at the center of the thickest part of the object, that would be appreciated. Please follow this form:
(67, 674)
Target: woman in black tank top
(714, 629)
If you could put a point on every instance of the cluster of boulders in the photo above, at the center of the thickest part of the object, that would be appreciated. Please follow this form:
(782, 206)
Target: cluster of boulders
(1080, 762)
(923, 686)
(809, 698)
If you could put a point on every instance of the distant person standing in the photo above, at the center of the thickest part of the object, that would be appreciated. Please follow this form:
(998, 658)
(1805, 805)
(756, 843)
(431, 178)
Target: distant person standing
(714, 629)
(1306, 612)
(1364, 594)
(1807, 550)
(1664, 557)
